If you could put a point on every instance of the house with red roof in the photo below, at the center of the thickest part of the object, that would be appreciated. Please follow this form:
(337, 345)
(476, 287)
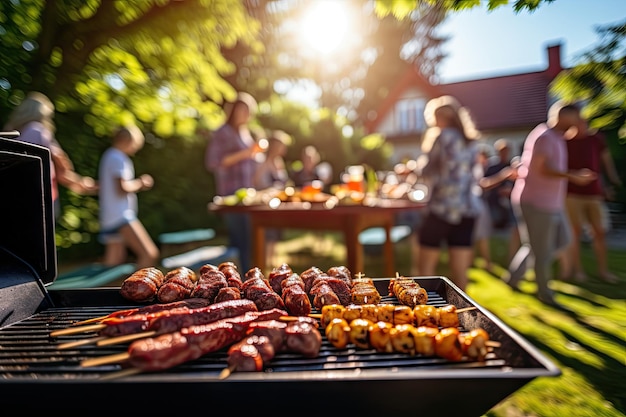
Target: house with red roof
(507, 106)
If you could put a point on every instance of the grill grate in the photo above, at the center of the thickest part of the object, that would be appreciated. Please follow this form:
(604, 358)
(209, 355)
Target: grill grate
(26, 350)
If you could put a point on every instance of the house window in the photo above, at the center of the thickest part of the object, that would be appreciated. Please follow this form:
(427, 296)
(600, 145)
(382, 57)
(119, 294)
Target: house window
(410, 115)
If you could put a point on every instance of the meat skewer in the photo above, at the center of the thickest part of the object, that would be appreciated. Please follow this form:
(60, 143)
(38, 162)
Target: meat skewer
(407, 291)
(142, 285)
(257, 288)
(151, 308)
(138, 326)
(364, 291)
(266, 338)
(177, 285)
(170, 349)
(291, 288)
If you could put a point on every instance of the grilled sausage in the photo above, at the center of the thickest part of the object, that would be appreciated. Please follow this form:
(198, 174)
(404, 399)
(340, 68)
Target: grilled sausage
(177, 285)
(142, 285)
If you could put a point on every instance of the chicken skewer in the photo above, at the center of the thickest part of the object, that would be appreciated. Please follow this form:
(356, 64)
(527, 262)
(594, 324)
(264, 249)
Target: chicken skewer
(448, 343)
(420, 315)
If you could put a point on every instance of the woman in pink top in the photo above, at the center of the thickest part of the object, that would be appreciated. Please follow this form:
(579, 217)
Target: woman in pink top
(538, 197)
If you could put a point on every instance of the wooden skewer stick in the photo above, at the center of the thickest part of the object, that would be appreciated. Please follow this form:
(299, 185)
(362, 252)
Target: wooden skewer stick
(75, 330)
(463, 310)
(82, 342)
(226, 372)
(105, 360)
(125, 338)
(493, 343)
(89, 321)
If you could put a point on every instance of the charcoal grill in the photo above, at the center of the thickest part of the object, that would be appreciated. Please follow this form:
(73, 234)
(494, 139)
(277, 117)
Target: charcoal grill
(36, 376)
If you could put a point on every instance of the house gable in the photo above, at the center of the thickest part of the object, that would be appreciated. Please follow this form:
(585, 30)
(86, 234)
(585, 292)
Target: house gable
(502, 106)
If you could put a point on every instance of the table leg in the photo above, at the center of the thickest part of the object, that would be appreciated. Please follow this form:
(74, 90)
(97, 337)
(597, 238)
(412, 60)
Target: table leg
(258, 248)
(390, 263)
(354, 249)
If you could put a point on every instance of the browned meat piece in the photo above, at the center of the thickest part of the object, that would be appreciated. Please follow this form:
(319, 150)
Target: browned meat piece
(303, 338)
(177, 285)
(171, 320)
(342, 290)
(340, 272)
(408, 291)
(269, 300)
(230, 271)
(277, 275)
(207, 267)
(228, 293)
(323, 295)
(364, 292)
(255, 272)
(142, 285)
(309, 276)
(293, 279)
(209, 285)
(250, 354)
(272, 329)
(171, 349)
(297, 302)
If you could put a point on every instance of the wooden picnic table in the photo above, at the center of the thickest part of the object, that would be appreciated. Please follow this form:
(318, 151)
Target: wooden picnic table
(350, 220)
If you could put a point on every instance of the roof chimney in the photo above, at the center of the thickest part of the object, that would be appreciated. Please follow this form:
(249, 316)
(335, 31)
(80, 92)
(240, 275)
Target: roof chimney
(554, 60)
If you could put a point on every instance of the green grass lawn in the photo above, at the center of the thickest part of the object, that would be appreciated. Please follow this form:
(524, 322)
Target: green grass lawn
(588, 342)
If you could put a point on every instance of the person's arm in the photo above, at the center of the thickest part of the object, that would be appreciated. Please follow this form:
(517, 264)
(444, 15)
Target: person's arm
(142, 183)
(67, 177)
(492, 181)
(580, 176)
(609, 168)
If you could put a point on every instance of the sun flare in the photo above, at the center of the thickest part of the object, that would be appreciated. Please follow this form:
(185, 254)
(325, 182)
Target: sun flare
(325, 25)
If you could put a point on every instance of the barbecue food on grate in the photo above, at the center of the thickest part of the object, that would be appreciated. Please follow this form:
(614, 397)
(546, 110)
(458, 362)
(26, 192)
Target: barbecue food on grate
(308, 276)
(407, 291)
(170, 320)
(427, 315)
(177, 285)
(152, 308)
(170, 349)
(364, 291)
(231, 272)
(420, 315)
(291, 288)
(391, 313)
(257, 288)
(341, 272)
(266, 338)
(189, 343)
(447, 343)
(142, 285)
(211, 281)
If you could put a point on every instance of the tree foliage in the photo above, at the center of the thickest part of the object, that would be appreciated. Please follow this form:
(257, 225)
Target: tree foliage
(169, 65)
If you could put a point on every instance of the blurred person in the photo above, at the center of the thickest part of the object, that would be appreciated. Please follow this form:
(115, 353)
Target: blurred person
(483, 227)
(498, 196)
(450, 154)
(33, 119)
(231, 155)
(586, 203)
(538, 198)
(272, 173)
(312, 168)
(120, 228)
